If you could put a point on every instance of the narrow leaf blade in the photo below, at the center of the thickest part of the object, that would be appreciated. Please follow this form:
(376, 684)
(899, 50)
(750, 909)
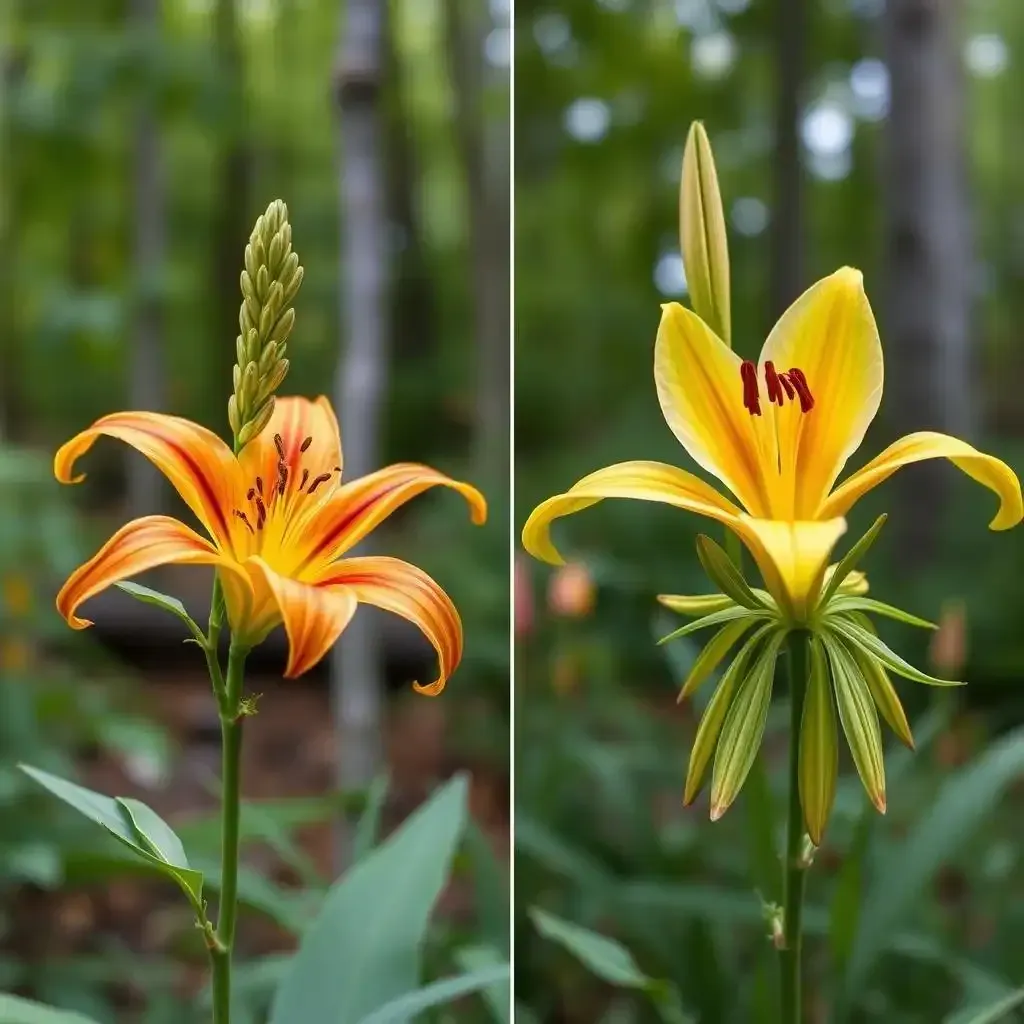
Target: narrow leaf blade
(712, 654)
(169, 604)
(872, 644)
(849, 561)
(408, 1007)
(883, 693)
(722, 570)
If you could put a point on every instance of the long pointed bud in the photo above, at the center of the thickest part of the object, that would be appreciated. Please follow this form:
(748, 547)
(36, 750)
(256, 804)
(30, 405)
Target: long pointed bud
(270, 282)
(702, 236)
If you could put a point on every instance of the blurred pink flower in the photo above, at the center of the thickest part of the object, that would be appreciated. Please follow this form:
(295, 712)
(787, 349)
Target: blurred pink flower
(571, 592)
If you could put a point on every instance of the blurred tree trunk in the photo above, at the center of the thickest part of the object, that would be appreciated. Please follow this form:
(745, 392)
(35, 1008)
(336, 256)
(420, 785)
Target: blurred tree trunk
(484, 156)
(232, 214)
(413, 303)
(356, 684)
(145, 484)
(787, 271)
(928, 256)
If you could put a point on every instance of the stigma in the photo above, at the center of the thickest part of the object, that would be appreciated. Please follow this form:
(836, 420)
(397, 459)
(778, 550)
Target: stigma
(790, 386)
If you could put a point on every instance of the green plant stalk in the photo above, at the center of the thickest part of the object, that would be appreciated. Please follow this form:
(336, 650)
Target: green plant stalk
(795, 865)
(232, 715)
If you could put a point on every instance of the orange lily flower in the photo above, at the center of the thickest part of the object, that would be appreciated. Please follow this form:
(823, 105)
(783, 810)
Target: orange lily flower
(279, 520)
(777, 435)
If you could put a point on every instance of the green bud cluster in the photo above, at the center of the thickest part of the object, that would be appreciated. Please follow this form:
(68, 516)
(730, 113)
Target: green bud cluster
(270, 282)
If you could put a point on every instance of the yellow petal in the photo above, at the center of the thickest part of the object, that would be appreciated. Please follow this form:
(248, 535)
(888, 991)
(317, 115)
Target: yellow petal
(405, 590)
(830, 334)
(199, 464)
(701, 395)
(645, 481)
(702, 235)
(314, 617)
(990, 472)
(361, 505)
(792, 557)
(294, 420)
(138, 546)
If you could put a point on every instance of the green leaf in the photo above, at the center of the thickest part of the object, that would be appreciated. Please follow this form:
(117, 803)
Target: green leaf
(497, 994)
(710, 727)
(407, 1007)
(365, 838)
(819, 747)
(490, 887)
(849, 561)
(363, 950)
(991, 1014)
(605, 957)
(871, 644)
(962, 805)
(155, 842)
(722, 571)
(716, 619)
(610, 961)
(859, 718)
(712, 654)
(882, 692)
(15, 1010)
(159, 838)
(868, 604)
(743, 729)
(169, 604)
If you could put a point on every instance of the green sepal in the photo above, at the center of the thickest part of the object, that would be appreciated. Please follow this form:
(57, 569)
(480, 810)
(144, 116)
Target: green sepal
(859, 718)
(714, 715)
(729, 614)
(712, 654)
(722, 570)
(743, 729)
(873, 645)
(698, 604)
(819, 746)
(849, 561)
(843, 604)
(882, 692)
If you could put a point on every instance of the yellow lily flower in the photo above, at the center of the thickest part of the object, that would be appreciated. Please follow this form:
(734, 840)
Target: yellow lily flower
(279, 520)
(777, 435)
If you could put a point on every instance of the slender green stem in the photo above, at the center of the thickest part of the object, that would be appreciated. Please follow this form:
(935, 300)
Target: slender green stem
(796, 866)
(231, 739)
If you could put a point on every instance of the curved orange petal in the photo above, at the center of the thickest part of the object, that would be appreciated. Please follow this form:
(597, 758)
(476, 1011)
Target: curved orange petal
(645, 481)
(829, 333)
(294, 420)
(314, 617)
(197, 462)
(140, 545)
(405, 590)
(987, 470)
(359, 507)
(701, 394)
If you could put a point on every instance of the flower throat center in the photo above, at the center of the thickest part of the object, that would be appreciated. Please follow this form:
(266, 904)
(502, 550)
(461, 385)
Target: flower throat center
(791, 385)
(261, 502)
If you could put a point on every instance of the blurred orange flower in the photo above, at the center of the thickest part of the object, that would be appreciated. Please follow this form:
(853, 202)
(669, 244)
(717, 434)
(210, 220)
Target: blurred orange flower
(571, 592)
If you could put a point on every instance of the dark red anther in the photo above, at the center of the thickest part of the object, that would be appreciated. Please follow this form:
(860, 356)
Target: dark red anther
(250, 494)
(305, 477)
(785, 382)
(245, 519)
(305, 444)
(322, 478)
(771, 378)
(802, 389)
(259, 486)
(279, 445)
(261, 513)
(751, 398)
